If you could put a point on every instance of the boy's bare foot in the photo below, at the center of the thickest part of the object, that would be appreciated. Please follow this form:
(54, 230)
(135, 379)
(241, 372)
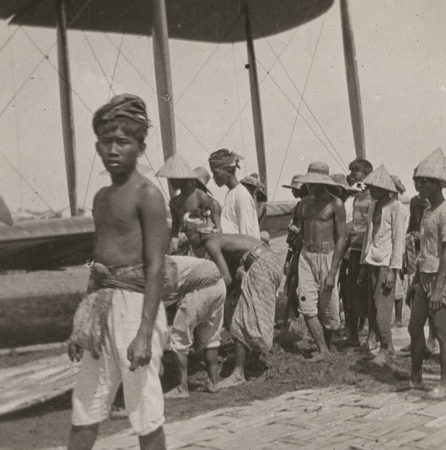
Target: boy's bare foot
(232, 380)
(177, 392)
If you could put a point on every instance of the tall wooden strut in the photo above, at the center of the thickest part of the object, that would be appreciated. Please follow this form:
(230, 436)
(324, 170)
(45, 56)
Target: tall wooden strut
(66, 104)
(255, 98)
(351, 70)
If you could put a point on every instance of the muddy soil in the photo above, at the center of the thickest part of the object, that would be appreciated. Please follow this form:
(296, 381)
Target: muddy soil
(286, 367)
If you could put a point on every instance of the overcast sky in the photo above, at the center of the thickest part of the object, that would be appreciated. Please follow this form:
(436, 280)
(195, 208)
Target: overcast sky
(400, 51)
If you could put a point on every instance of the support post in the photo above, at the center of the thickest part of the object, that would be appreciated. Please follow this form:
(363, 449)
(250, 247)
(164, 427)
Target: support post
(351, 70)
(66, 104)
(255, 98)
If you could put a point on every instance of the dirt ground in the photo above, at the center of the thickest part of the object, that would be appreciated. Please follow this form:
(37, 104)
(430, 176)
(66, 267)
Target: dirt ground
(287, 366)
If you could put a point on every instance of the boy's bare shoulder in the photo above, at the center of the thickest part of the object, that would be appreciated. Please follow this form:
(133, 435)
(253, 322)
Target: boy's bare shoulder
(147, 190)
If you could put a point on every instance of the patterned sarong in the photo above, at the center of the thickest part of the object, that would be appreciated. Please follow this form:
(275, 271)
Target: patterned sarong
(253, 319)
(90, 319)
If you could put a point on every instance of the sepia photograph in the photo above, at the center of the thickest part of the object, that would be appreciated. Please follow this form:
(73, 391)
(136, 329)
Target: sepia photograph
(222, 224)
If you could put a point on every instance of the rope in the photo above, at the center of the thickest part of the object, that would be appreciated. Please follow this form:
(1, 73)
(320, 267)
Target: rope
(229, 31)
(56, 69)
(313, 56)
(260, 82)
(26, 181)
(301, 96)
(9, 39)
(97, 60)
(238, 101)
(202, 146)
(116, 66)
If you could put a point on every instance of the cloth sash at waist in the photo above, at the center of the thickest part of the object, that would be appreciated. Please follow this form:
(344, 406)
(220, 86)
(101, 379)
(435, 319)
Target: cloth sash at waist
(322, 247)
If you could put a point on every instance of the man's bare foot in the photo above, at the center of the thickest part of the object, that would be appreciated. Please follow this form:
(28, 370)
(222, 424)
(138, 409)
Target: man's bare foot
(212, 387)
(232, 380)
(318, 357)
(351, 342)
(177, 392)
(438, 393)
(408, 385)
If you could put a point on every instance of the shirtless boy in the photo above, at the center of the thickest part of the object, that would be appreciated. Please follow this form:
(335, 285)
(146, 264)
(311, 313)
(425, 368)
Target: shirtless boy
(322, 224)
(429, 291)
(254, 263)
(181, 177)
(131, 235)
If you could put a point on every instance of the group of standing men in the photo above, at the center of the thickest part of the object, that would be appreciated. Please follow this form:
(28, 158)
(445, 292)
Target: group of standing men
(217, 270)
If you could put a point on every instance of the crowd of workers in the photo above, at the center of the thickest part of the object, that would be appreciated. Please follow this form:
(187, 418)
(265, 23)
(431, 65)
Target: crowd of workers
(351, 243)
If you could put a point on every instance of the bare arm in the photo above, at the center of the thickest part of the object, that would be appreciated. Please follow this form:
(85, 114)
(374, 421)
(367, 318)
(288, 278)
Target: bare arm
(436, 300)
(214, 251)
(339, 235)
(5, 214)
(215, 209)
(175, 220)
(152, 216)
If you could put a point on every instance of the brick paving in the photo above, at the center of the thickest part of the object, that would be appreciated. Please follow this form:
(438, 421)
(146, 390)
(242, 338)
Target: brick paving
(331, 418)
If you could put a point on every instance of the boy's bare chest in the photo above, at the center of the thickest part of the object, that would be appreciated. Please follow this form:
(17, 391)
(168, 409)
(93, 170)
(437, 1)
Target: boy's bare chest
(115, 209)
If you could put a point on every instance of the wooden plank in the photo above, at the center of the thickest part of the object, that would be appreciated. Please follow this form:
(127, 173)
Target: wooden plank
(35, 382)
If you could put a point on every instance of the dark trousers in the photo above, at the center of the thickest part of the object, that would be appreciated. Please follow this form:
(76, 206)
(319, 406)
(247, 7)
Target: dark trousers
(380, 305)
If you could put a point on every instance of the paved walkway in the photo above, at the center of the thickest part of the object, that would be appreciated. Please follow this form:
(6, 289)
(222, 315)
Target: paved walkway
(331, 418)
(310, 419)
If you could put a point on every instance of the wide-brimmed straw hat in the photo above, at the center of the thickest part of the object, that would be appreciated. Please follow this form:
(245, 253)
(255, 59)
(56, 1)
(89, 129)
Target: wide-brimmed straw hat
(254, 181)
(295, 183)
(317, 173)
(380, 178)
(341, 180)
(434, 166)
(176, 167)
(203, 177)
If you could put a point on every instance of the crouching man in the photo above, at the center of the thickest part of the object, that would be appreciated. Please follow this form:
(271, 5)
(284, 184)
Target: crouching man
(254, 263)
(122, 322)
(201, 293)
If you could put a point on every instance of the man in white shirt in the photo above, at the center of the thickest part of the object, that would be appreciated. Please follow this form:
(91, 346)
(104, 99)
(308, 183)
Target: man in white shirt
(239, 214)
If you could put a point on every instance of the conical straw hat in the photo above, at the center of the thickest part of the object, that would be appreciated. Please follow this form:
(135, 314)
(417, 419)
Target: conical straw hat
(434, 166)
(380, 178)
(203, 177)
(317, 173)
(176, 167)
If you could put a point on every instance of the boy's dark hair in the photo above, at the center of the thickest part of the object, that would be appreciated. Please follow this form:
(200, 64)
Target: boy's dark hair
(362, 164)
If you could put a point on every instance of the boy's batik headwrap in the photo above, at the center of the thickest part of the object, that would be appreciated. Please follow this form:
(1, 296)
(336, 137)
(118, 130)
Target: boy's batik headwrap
(203, 226)
(122, 105)
(224, 158)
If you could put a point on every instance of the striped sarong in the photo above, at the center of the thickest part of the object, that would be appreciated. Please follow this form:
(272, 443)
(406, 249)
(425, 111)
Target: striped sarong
(253, 320)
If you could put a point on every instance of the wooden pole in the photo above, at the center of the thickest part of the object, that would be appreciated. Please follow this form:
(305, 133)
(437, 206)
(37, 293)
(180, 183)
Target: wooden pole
(255, 99)
(66, 104)
(351, 70)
